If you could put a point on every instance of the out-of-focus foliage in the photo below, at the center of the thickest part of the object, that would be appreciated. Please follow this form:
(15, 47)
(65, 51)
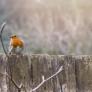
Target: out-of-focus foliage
(50, 26)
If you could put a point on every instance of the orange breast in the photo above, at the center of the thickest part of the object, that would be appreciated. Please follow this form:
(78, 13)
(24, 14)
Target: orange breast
(16, 42)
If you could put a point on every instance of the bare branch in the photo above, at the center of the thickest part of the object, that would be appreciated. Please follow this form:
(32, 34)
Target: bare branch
(45, 80)
(34, 89)
(1, 31)
(10, 78)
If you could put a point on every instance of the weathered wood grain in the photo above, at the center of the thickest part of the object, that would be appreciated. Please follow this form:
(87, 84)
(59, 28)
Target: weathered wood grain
(28, 70)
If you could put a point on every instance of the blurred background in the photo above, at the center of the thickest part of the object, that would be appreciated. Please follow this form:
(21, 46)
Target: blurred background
(49, 26)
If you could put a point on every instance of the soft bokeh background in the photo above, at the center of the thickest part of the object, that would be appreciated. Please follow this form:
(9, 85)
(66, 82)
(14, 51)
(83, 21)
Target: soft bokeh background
(49, 26)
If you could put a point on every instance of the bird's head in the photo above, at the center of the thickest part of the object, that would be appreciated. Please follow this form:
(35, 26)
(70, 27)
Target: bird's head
(13, 36)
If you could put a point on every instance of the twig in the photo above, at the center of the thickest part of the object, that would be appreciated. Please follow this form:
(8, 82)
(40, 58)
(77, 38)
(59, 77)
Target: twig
(45, 80)
(37, 87)
(10, 78)
(1, 31)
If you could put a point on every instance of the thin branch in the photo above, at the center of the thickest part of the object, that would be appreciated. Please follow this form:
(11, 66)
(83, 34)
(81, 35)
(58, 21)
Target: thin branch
(10, 78)
(1, 32)
(45, 80)
(37, 87)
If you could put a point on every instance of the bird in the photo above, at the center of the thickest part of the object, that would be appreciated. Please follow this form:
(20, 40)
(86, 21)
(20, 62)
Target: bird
(16, 44)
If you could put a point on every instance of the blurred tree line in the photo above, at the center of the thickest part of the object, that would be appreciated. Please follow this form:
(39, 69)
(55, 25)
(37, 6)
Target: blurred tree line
(47, 26)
